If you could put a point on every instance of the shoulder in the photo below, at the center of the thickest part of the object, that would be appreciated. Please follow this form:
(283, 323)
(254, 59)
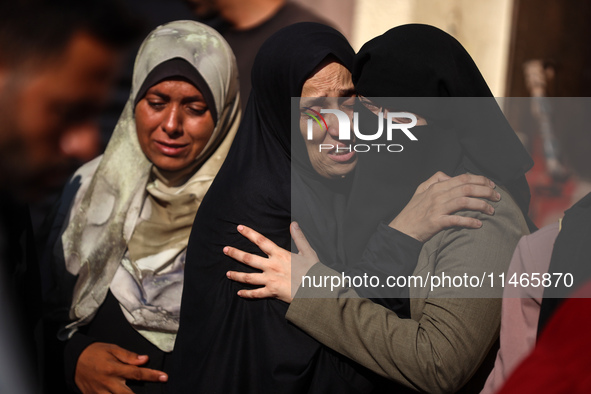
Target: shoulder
(80, 181)
(474, 252)
(294, 13)
(86, 171)
(499, 232)
(541, 242)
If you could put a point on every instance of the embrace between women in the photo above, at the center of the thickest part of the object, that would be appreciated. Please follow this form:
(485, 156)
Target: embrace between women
(447, 337)
(125, 252)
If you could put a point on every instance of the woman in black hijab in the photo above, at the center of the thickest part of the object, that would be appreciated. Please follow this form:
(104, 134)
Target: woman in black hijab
(226, 344)
(451, 331)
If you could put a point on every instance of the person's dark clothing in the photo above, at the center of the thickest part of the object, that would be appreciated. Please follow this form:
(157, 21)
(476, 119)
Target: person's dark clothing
(246, 43)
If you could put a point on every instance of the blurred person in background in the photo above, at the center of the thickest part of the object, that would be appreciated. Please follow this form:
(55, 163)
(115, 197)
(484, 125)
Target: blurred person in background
(560, 247)
(57, 61)
(246, 24)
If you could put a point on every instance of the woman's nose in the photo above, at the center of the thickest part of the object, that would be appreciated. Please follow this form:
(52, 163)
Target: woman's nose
(334, 127)
(171, 122)
(333, 130)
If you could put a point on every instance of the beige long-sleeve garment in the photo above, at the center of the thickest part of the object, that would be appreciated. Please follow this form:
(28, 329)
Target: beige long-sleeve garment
(448, 337)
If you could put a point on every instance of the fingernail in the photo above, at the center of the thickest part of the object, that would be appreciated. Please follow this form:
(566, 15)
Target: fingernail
(142, 357)
(478, 223)
(295, 226)
(163, 378)
(498, 197)
(240, 227)
(492, 184)
(239, 294)
(228, 274)
(226, 249)
(491, 210)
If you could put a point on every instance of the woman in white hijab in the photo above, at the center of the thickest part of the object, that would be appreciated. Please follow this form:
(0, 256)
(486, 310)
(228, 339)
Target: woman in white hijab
(122, 228)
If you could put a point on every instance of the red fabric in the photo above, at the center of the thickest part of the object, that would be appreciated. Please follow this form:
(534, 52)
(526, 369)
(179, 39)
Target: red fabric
(561, 360)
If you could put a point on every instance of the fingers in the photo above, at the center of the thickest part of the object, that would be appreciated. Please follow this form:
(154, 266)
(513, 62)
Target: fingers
(300, 240)
(266, 245)
(256, 293)
(435, 178)
(145, 374)
(470, 179)
(469, 204)
(249, 259)
(460, 221)
(462, 180)
(476, 191)
(247, 278)
(126, 356)
(131, 371)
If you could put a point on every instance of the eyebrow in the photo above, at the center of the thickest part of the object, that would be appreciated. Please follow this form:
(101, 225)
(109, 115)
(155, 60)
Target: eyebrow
(322, 94)
(313, 101)
(187, 99)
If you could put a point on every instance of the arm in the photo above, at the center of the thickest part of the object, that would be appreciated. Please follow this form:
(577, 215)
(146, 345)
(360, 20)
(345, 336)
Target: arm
(441, 348)
(90, 366)
(429, 211)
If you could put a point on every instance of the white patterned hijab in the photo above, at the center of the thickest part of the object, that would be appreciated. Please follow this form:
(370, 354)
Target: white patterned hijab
(97, 236)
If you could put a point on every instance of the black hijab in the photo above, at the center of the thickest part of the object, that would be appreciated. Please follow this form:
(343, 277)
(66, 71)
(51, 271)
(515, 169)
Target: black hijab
(227, 344)
(570, 255)
(463, 135)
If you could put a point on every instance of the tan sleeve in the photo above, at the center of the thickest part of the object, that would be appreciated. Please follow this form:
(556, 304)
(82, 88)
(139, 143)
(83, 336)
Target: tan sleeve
(442, 346)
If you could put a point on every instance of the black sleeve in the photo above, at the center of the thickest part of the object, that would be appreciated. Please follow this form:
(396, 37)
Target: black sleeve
(73, 348)
(389, 254)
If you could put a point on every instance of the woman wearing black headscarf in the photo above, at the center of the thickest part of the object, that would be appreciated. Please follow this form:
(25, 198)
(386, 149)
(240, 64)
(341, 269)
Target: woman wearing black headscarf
(226, 344)
(450, 332)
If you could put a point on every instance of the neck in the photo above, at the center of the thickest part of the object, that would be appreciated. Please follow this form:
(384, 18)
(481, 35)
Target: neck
(244, 15)
(175, 178)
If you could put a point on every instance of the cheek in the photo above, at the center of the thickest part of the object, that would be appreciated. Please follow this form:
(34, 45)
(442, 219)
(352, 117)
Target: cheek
(318, 133)
(145, 125)
(142, 135)
(200, 130)
(304, 128)
(318, 158)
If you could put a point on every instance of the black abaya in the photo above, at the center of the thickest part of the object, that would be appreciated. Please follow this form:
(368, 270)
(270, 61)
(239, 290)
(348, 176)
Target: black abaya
(227, 344)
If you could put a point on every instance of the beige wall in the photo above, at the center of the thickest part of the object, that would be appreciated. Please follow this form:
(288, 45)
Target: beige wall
(482, 26)
(337, 12)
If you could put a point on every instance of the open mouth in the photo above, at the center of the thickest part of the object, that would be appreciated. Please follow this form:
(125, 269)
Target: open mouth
(342, 153)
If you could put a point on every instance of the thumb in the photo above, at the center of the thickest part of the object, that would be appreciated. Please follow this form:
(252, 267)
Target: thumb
(300, 240)
(128, 357)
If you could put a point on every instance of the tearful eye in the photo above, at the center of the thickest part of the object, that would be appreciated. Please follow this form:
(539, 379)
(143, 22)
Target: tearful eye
(156, 104)
(199, 111)
(347, 104)
(305, 114)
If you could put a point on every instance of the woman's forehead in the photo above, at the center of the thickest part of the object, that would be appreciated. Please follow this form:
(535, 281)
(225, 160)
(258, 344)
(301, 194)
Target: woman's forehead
(329, 79)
